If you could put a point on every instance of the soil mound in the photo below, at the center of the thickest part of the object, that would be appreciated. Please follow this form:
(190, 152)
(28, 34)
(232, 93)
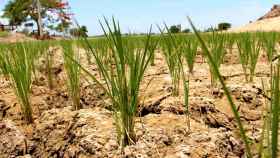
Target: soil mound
(15, 37)
(269, 22)
(273, 13)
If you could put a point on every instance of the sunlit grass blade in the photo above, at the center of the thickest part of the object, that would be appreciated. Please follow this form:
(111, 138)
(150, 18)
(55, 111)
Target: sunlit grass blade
(226, 91)
(73, 72)
(3, 64)
(249, 50)
(170, 51)
(19, 66)
(275, 108)
(217, 50)
(122, 77)
(190, 50)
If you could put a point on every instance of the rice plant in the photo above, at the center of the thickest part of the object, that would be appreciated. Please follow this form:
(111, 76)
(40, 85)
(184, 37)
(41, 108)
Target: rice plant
(226, 91)
(19, 67)
(275, 108)
(122, 78)
(154, 44)
(217, 50)
(171, 47)
(268, 146)
(36, 49)
(190, 50)
(87, 51)
(269, 41)
(186, 85)
(73, 72)
(249, 50)
(230, 42)
(3, 64)
(48, 67)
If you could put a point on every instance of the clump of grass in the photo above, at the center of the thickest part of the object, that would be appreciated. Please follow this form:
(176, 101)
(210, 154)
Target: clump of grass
(189, 52)
(3, 64)
(87, 51)
(122, 78)
(19, 66)
(36, 49)
(249, 50)
(227, 92)
(269, 41)
(186, 85)
(73, 72)
(217, 50)
(275, 108)
(188, 48)
(230, 42)
(154, 44)
(171, 49)
(268, 145)
(48, 67)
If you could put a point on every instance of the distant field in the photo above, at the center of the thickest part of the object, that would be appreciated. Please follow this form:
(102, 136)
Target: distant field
(4, 34)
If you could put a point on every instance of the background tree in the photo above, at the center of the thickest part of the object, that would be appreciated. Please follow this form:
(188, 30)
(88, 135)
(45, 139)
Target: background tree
(186, 30)
(175, 28)
(20, 11)
(210, 29)
(224, 26)
(79, 32)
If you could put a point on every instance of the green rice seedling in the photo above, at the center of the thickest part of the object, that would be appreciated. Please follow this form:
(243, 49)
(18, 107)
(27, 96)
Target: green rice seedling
(190, 50)
(48, 66)
(265, 140)
(267, 119)
(268, 146)
(87, 51)
(121, 78)
(186, 84)
(171, 48)
(73, 72)
(275, 108)
(19, 67)
(249, 50)
(269, 41)
(230, 42)
(243, 54)
(226, 90)
(3, 64)
(154, 44)
(102, 48)
(254, 56)
(36, 49)
(217, 52)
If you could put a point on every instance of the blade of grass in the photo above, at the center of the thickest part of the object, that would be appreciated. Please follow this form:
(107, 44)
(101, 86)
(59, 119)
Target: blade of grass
(227, 93)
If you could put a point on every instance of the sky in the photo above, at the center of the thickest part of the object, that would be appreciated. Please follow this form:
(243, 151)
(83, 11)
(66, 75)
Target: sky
(138, 15)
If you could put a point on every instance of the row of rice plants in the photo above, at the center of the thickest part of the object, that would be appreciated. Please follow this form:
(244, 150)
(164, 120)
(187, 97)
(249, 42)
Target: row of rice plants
(18, 62)
(249, 49)
(123, 60)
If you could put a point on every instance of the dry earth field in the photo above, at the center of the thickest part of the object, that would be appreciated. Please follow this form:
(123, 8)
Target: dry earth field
(161, 127)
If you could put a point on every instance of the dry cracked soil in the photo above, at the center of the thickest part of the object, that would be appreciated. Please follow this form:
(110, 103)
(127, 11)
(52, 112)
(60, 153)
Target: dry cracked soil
(161, 126)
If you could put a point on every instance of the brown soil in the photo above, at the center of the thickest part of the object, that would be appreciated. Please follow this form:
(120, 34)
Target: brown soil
(274, 12)
(161, 131)
(15, 37)
(269, 22)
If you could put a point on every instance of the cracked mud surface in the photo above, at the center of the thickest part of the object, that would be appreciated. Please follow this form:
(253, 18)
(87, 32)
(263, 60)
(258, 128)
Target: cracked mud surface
(161, 126)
